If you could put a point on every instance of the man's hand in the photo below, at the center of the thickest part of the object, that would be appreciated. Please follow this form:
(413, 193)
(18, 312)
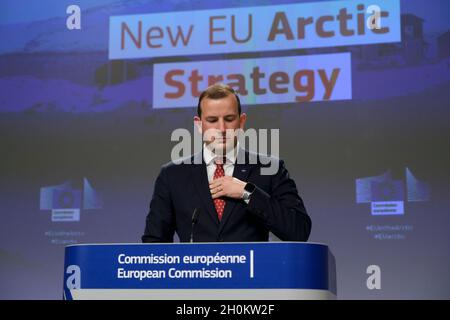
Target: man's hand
(227, 187)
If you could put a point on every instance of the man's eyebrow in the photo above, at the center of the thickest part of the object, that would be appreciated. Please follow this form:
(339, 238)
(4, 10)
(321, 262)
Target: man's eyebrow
(225, 116)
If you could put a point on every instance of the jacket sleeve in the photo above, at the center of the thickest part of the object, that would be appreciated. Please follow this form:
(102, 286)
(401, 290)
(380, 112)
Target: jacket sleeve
(282, 211)
(160, 222)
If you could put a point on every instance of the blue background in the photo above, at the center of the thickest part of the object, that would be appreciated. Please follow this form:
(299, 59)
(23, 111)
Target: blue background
(68, 113)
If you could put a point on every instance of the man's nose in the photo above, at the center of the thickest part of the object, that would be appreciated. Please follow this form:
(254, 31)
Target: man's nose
(222, 127)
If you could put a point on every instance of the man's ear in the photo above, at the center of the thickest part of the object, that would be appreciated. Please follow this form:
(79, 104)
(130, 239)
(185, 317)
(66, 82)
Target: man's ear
(242, 120)
(198, 124)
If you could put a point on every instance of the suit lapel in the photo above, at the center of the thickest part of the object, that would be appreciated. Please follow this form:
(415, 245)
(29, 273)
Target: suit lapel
(200, 179)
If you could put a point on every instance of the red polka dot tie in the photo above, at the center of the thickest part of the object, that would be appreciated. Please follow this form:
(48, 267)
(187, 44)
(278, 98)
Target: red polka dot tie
(219, 203)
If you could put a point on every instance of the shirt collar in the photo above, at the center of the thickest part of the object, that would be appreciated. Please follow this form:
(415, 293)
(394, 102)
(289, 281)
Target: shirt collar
(209, 156)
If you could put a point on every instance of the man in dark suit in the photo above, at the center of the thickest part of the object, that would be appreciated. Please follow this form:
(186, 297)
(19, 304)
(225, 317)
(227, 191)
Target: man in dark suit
(222, 193)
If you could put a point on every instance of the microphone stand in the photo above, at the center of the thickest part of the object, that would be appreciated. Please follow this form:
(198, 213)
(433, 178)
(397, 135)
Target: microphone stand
(194, 222)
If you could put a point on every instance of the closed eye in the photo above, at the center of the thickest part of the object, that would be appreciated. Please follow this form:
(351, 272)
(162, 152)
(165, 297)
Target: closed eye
(230, 118)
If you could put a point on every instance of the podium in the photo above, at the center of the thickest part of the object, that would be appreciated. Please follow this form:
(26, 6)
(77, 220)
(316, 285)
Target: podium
(200, 271)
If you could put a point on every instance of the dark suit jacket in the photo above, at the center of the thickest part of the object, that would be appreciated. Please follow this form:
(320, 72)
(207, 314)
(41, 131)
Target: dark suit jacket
(180, 189)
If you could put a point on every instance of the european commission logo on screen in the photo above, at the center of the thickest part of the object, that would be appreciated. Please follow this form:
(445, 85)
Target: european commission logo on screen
(387, 196)
(66, 202)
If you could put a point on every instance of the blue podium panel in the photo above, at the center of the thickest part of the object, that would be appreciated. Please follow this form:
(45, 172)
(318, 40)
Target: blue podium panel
(263, 270)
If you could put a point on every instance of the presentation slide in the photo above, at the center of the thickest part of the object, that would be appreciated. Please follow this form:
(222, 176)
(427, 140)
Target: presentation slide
(354, 96)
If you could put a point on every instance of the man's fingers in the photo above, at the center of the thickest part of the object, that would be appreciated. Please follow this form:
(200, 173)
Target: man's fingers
(214, 184)
(216, 189)
(217, 181)
(218, 194)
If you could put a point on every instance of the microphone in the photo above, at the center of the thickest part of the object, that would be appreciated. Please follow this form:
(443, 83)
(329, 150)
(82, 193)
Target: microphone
(194, 222)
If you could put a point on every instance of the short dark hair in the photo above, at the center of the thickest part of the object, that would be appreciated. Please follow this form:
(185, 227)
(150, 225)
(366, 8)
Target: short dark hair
(217, 91)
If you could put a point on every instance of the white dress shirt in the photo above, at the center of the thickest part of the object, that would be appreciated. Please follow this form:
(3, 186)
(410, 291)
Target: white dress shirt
(228, 167)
